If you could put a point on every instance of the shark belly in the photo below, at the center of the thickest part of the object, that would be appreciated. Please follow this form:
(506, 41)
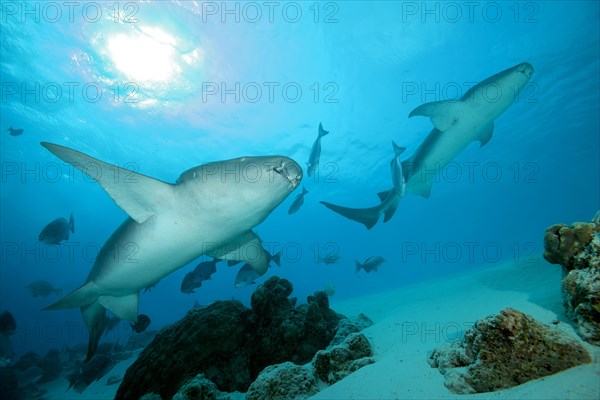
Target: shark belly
(434, 154)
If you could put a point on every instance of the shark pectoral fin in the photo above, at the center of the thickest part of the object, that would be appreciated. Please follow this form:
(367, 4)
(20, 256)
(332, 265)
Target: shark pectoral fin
(94, 316)
(123, 307)
(138, 195)
(366, 216)
(81, 297)
(247, 248)
(443, 113)
(486, 134)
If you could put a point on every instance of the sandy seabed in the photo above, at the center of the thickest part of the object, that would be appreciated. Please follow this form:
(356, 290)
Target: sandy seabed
(411, 321)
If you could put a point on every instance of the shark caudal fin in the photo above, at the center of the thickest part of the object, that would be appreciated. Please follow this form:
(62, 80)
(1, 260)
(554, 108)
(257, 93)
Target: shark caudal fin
(397, 149)
(322, 132)
(366, 216)
(94, 316)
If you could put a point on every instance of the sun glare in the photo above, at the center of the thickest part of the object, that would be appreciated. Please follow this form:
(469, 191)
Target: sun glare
(145, 56)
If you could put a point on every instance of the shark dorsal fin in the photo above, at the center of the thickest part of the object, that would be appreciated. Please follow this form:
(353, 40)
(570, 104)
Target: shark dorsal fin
(443, 113)
(138, 195)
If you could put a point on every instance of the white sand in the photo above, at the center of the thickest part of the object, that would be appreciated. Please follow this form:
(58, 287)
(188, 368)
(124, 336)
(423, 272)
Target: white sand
(410, 322)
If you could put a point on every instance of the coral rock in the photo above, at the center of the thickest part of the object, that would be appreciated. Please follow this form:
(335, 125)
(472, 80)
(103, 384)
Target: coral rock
(286, 381)
(206, 340)
(230, 344)
(337, 362)
(506, 350)
(577, 249)
(562, 243)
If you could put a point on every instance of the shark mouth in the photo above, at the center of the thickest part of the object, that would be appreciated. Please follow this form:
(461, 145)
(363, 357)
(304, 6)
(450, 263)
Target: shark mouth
(291, 171)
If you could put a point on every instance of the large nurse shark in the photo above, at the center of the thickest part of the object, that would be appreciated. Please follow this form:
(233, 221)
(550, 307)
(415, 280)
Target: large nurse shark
(211, 209)
(457, 123)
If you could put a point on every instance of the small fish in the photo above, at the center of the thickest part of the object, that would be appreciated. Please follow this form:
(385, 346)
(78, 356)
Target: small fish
(315, 152)
(298, 201)
(57, 230)
(113, 380)
(42, 288)
(203, 272)
(275, 258)
(330, 259)
(370, 264)
(142, 323)
(14, 131)
(329, 288)
(8, 324)
(246, 276)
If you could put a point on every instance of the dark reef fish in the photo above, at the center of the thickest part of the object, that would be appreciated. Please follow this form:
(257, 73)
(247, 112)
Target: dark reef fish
(246, 276)
(42, 288)
(142, 323)
(298, 201)
(15, 131)
(330, 259)
(57, 231)
(370, 264)
(8, 324)
(203, 272)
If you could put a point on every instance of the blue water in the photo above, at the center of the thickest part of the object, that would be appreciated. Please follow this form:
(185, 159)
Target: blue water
(161, 87)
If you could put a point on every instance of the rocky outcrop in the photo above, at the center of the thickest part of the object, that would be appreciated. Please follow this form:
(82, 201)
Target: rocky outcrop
(287, 381)
(577, 248)
(337, 362)
(503, 351)
(230, 344)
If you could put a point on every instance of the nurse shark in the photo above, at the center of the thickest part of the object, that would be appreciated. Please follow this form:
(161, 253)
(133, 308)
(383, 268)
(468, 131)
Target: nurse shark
(211, 209)
(457, 123)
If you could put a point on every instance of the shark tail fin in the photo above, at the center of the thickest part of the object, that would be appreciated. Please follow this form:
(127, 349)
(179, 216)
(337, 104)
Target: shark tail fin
(357, 266)
(322, 132)
(94, 316)
(397, 149)
(72, 223)
(277, 259)
(81, 297)
(366, 216)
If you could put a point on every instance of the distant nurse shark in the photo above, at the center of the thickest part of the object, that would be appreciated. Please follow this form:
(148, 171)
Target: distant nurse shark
(211, 210)
(457, 123)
